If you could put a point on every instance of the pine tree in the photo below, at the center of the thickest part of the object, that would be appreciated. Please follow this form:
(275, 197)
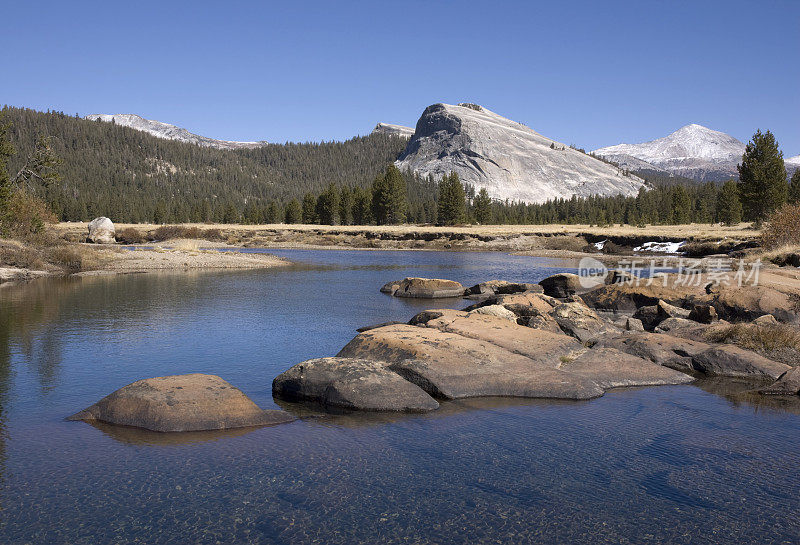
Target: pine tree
(346, 206)
(762, 177)
(681, 206)
(362, 205)
(389, 201)
(273, 214)
(794, 188)
(294, 212)
(328, 205)
(309, 208)
(729, 207)
(6, 152)
(451, 207)
(483, 207)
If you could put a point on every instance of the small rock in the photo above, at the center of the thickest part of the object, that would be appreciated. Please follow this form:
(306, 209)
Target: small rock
(561, 285)
(496, 310)
(101, 231)
(424, 288)
(674, 324)
(766, 319)
(705, 314)
(649, 316)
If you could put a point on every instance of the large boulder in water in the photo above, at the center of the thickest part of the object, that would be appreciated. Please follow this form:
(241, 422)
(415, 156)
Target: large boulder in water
(424, 288)
(352, 384)
(193, 402)
(450, 365)
(101, 231)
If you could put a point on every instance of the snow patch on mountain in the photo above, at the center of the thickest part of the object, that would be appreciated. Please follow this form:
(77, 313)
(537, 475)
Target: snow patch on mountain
(393, 130)
(509, 159)
(692, 151)
(792, 163)
(170, 132)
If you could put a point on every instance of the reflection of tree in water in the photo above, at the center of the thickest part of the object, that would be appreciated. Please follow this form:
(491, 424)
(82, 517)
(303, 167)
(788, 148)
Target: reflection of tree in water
(38, 318)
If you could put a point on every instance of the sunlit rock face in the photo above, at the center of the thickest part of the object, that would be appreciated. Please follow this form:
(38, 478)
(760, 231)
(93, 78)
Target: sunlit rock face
(509, 159)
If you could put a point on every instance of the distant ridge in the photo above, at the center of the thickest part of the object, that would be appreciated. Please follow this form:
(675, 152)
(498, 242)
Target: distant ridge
(170, 132)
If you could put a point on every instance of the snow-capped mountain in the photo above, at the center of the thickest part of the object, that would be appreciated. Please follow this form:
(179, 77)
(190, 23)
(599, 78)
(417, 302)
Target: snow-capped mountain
(170, 132)
(393, 130)
(792, 163)
(692, 151)
(507, 158)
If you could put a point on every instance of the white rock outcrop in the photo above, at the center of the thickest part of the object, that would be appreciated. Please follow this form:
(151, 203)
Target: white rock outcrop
(101, 231)
(509, 159)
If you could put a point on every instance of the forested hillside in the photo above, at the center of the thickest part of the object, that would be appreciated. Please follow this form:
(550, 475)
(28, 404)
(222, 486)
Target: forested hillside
(132, 176)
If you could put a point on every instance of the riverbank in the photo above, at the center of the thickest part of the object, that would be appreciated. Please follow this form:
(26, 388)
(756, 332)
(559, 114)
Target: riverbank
(539, 240)
(22, 262)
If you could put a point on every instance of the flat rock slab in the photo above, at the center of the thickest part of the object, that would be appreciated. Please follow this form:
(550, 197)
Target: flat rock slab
(352, 384)
(611, 368)
(424, 288)
(193, 402)
(543, 347)
(449, 366)
(693, 356)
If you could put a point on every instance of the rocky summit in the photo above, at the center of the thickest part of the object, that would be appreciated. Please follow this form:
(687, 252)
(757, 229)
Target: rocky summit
(509, 159)
(692, 151)
(393, 130)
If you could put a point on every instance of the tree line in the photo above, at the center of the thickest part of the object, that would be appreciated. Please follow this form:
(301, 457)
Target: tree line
(84, 169)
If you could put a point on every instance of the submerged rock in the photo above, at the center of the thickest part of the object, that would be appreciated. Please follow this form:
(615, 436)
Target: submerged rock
(611, 368)
(424, 288)
(352, 384)
(193, 402)
(101, 231)
(787, 384)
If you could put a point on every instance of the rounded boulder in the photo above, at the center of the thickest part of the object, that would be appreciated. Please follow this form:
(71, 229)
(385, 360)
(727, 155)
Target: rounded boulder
(195, 402)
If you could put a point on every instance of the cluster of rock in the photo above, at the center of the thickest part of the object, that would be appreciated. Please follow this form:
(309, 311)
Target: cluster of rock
(540, 341)
(547, 340)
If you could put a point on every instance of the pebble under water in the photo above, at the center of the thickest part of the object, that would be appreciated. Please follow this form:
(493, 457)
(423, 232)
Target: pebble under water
(678, 464)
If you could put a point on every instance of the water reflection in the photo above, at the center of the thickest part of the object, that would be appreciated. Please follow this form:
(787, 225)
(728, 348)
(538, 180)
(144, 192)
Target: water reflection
(675, 464)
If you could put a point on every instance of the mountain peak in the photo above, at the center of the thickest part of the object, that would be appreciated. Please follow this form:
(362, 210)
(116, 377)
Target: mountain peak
(693, 151)
(508, 159)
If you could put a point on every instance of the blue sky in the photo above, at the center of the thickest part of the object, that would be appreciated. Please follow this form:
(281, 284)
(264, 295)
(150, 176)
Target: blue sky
(589, 73)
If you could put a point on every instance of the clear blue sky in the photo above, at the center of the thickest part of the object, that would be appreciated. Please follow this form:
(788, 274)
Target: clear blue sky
(589, 73)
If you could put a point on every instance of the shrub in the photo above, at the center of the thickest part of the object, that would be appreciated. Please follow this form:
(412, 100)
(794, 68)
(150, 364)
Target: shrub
(25, 217)
(780, 342)
(21, 256)
(783, 228)
(130, 236)
(74, 258)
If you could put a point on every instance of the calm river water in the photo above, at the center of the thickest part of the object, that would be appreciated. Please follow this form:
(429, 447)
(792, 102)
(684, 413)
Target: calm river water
(678, 464)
